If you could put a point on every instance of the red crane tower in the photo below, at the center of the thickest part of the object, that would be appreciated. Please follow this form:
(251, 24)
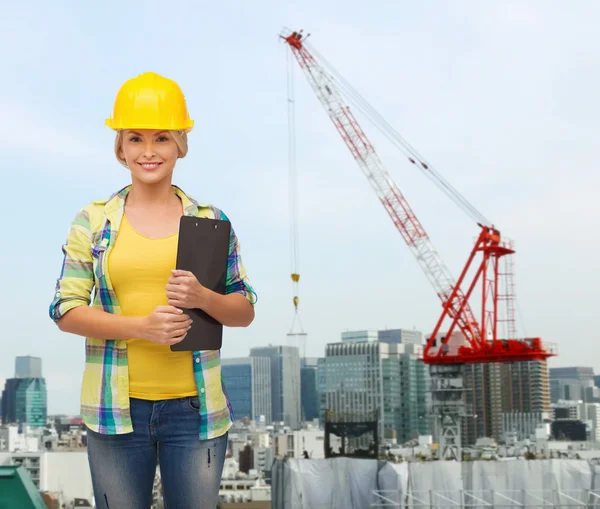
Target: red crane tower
(467, 339)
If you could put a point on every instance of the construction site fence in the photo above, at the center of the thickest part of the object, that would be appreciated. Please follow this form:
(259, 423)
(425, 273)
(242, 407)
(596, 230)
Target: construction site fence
(346, 483)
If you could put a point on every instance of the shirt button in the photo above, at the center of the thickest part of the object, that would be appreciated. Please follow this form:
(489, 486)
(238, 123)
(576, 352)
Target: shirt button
(58, 294)
(197, 360)
(202, 390)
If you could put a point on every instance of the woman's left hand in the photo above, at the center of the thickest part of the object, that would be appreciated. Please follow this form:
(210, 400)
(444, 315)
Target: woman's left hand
(184, 291)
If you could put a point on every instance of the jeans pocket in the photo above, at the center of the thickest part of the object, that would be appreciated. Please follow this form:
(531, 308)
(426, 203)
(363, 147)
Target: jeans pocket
(194, 403)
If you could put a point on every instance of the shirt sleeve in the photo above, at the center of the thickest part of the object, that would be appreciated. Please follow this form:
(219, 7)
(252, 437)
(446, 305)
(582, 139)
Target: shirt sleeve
(237, 279)
(76, 281)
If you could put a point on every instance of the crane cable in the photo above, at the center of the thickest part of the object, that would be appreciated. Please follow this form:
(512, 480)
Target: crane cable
(293, 192)
(393, 136)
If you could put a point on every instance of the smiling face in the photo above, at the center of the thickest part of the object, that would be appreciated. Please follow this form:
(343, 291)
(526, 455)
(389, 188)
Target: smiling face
(150, 155)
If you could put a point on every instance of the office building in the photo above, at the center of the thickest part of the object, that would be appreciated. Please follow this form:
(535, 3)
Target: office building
(573, 383)
(366, 376)
(321, 387)
(248, 384)
(24, 398)
(285, 383)
(593, 420)
(309, 391)
(587, 413)
(9, 401)
(25, 401)
(32, 402)
(404, 336)
(28, 367)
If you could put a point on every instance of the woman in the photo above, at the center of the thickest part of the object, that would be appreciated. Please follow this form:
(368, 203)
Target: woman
(141, 401)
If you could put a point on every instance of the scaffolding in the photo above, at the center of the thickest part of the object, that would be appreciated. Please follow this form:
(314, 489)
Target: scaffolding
(492, 499)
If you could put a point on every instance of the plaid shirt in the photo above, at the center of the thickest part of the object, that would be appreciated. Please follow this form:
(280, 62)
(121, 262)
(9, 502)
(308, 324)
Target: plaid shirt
(105, 387)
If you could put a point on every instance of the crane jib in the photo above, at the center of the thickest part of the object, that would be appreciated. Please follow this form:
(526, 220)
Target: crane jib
(475, 341)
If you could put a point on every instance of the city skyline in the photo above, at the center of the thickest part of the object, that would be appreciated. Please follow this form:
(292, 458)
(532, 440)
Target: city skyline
(495, 96)
(387, 334)
(404, 336)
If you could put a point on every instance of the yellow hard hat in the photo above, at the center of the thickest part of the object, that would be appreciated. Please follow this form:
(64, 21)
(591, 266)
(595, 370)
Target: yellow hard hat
(150, 101)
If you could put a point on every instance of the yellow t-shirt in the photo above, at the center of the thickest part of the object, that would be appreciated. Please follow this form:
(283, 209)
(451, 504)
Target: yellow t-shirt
(139, 270)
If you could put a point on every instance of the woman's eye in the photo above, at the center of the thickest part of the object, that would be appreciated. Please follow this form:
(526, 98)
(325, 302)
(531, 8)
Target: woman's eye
(162, 139)
(134, 139)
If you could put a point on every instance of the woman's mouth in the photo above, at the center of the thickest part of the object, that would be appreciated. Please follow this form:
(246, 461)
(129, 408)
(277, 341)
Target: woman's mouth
(150, 166)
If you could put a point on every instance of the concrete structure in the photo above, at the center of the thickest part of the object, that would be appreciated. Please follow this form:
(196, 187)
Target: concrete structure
(12, 440)
(587, 413)
(263, 458)
(56, 472)
(518, 426)
(28, 367)
(294, 444)
(366, 377)
(244, 494)
(593, 418)
(404, 336)
(569, 410)
(496, 389)
(285, 383)
(248, 384)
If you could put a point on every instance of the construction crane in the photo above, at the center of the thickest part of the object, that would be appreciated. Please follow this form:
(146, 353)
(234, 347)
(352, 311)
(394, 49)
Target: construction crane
(466, 340)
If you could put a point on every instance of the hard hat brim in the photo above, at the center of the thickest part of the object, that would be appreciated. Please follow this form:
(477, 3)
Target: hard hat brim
(112, 125)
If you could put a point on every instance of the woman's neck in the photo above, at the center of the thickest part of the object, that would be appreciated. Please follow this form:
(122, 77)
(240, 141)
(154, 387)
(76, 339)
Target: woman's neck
(153, 195)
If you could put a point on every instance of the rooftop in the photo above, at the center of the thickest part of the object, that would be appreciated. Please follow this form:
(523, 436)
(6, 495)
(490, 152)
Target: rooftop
(17, 489)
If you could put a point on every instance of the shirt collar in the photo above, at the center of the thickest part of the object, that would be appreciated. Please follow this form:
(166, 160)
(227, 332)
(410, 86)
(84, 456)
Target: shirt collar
(116, 203)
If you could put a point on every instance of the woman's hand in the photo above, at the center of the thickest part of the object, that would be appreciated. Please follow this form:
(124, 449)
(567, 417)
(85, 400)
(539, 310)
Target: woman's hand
(185, 291)
(166, 325)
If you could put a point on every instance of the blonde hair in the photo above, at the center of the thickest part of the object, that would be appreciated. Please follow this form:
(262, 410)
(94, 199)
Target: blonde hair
(179, 137)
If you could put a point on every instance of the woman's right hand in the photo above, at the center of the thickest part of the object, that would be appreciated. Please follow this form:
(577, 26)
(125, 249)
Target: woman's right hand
(166, 325)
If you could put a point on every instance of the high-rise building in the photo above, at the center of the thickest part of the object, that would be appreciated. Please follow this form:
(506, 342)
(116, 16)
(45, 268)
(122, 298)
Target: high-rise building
(368, 374)
(322, 386)
(309, 391)
(25, 401)
(32, 402)
(248, 384)
(24, 398)
(9, 401)
(285, 383)
(572, 383)
(496, 389)
(28, 367)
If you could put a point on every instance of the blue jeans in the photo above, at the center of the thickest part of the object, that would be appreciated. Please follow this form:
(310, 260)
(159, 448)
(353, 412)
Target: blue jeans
(123, 467)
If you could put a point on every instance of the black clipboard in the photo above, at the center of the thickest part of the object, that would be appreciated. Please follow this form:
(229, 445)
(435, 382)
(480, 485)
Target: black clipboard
(203, 249)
